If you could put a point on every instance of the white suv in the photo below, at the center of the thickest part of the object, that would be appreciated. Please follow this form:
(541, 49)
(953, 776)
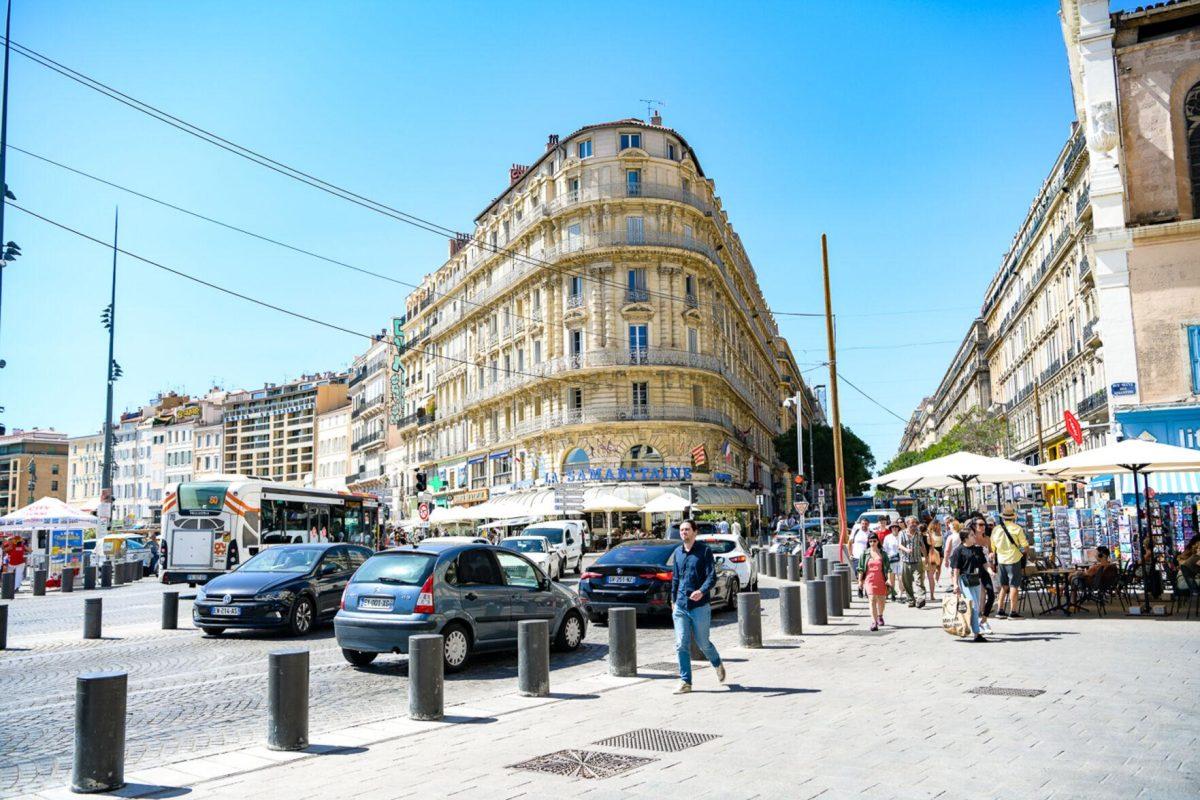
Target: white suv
(733, 551)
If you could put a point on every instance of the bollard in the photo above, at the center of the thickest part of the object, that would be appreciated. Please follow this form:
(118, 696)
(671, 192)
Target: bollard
(92, 617)
(39, 583)
(106, 575)
(68, 580)
(843, 576)
(820, 568)
(789, 610)
(99, 732)
(287, 699)
(814, 596)
(622, 642)
(750, 619)
(8, 586)
(762, 562)
(89, 576)
(848, 587)
(833, 596)
(808, 567)
(770, 565)
(118, 573)
(781, 561)
(4, 626)
(533, 657)
(426, 679)
(170, 611)
(793, 567)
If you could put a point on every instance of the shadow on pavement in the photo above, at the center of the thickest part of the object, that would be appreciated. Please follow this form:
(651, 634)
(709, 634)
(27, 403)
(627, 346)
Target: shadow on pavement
(571, 696)
(333, 750)
(150, 790)
(458, 719)
(769, 691)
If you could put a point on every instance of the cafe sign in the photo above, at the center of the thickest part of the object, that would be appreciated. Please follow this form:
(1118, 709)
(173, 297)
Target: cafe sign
(470, 496)
(622, 474)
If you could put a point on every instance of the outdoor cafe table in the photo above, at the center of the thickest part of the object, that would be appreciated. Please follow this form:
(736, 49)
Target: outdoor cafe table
(1061, 578)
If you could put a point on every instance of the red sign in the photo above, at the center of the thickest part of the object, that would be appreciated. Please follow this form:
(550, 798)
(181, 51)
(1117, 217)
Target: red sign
(423, 512)
(1073, 427)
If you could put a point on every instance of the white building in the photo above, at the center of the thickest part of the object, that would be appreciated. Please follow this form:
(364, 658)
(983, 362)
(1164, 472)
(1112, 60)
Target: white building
(85, 459)
(333, 448)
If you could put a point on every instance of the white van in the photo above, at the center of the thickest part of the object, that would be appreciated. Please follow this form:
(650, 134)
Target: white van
(565, 535)
(880, 515)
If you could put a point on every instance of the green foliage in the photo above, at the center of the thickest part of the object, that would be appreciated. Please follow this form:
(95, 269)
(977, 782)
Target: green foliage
(974, 432)
(859, 461)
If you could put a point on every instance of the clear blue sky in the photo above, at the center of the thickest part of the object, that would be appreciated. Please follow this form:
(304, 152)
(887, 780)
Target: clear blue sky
(913, 133)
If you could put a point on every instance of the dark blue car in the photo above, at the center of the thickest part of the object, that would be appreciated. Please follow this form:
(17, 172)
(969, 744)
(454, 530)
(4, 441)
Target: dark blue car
(292, 586)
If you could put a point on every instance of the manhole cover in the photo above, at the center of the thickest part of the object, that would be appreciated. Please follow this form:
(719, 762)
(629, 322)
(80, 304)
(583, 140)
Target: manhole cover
(663, 741)
(586, 764)
(1004, 691)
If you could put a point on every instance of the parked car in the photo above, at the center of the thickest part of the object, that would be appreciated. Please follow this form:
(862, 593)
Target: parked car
(735, 553)
(785, 542)
(289, 586)
(473, 595)
(537, 549)
(125, 546)
(567, 536)
(884, 515)
(637, 575)
(447, 541)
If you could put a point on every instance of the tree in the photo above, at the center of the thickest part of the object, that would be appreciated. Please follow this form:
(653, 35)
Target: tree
(859, 462)
(974, 432)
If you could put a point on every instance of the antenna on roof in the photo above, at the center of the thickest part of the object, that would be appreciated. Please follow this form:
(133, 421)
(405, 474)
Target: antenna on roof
(651, 114)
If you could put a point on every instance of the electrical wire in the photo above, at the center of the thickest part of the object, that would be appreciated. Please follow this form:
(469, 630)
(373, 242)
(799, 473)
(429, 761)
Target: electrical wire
(872, 399)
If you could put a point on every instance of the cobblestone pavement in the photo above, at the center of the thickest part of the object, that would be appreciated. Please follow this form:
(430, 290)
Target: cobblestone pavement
(190, 694)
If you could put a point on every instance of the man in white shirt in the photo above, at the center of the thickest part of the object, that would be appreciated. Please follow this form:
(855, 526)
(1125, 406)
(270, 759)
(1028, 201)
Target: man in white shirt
(858, 544)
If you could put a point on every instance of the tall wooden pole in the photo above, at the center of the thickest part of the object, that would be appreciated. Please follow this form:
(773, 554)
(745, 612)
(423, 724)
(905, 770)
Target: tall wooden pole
(838, 465)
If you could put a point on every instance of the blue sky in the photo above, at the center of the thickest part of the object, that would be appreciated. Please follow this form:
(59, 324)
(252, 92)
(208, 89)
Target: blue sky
(913, 133)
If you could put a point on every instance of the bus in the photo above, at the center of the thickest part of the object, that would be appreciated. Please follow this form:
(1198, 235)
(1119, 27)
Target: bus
(209, 526)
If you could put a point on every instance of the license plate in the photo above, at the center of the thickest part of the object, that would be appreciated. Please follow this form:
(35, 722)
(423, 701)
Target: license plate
(375, 603)
(621, 579)
(225, 611)
(197, 577)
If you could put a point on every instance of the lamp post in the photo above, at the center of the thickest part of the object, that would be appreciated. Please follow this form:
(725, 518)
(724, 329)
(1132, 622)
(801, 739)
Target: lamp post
(812, 462)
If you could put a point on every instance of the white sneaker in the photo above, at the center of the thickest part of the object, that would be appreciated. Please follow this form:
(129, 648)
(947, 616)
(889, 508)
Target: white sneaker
(985, 628)
(683, 688)
(721, 672)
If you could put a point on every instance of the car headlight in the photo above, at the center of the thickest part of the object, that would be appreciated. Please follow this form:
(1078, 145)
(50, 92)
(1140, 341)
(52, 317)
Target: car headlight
(282, 594)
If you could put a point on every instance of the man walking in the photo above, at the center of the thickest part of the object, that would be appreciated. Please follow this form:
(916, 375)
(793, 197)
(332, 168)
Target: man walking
(1010, 546)
(693, 572)
(912, 559)
(858, 543)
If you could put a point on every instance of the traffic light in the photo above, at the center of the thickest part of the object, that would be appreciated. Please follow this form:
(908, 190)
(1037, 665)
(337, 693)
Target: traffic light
(799, 480)
(421, 484)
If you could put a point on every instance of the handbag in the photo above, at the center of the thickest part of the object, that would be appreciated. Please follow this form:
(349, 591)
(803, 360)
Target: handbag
(956, 615)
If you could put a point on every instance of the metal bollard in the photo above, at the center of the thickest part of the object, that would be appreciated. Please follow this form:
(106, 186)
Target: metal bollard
(287, 699)
(793, 567)
(843, 576)
(789, 610)
(814, 596)
(89, 576)
(170, 611)
(4, 626)
(771, 565)
(533, 657)
(8, 586)
(39, 582)
(99, 732)
(820, 568)
(750, 619)
(622, 642)
(118, 573)
(809, 567)
(833, 596)
(781, 561)
(426, 679)
(93, 612)
(106, 575)
(67, 583)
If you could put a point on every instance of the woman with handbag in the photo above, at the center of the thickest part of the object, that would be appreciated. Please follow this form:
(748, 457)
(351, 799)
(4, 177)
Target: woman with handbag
(873, 569)
(969, 566)
(933, 566)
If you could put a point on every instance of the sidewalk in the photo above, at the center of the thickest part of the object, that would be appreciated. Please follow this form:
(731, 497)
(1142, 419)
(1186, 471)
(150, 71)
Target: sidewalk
(840, 713)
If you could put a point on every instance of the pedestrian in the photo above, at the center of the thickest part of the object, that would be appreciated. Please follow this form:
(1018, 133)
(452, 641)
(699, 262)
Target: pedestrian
(978, 525)
(890, 544)
(912, 561)
(1011, 546)
(736, 528)
(969, 572)
(933, 538)
(952, 540)
(155, 553)
(780, 523)
(858, 544)
(693, 572)
(722, 526)
(873, 569)
(16, 560)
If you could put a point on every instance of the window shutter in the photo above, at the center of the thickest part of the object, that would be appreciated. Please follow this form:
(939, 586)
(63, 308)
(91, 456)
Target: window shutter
(1194, 354)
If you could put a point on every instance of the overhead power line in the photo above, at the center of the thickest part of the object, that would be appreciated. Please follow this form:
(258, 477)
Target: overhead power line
(872, 399)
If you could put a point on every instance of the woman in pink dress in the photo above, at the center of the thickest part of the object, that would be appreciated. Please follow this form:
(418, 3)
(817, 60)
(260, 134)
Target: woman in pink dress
(873, 570)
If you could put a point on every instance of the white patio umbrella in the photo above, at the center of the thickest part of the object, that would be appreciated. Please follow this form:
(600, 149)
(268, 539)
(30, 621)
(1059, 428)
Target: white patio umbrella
(666, 503)
(960, 469)
(608, 503)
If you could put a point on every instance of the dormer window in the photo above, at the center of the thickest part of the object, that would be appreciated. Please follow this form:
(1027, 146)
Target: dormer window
(629, 140)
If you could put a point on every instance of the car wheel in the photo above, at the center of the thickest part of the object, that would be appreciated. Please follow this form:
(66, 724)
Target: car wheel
(734, 588)
(213, 631)
(456, 647)
(301, 621)
(358, 658)
(579, 565)
(570, 633)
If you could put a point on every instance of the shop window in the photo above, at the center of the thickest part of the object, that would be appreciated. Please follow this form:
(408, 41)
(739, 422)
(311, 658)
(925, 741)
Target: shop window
(576, 459)
(642, 455)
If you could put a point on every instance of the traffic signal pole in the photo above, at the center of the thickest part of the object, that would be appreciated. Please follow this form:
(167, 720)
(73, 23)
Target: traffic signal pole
(838, 465)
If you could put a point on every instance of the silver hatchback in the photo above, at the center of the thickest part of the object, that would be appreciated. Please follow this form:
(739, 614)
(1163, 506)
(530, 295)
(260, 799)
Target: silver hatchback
(473, 595)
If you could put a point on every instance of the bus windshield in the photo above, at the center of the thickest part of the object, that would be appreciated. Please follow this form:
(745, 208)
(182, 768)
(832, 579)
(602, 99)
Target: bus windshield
(201, 496)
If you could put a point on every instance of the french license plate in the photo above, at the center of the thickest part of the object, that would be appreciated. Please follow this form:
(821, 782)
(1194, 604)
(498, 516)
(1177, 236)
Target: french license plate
(621, 578)
(197, 577)
(226, 611)
(375, 603)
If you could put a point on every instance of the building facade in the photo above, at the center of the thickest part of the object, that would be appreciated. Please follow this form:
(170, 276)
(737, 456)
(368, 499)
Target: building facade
(85, 460)
(368, 394)
(33, 465)
(209, 452)
(601, 326)
(333, 448)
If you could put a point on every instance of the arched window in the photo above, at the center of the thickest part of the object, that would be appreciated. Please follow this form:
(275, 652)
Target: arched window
(642, 455)
(576, 459)
(1191, 132)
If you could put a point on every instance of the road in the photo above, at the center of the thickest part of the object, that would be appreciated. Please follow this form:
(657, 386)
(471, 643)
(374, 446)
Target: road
(191, 694)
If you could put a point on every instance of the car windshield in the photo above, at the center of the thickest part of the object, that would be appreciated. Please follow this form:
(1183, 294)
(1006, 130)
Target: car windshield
(720, 545)
(638, 554)
(553, 535)
(525, 545)
(283, 559)
(402, 569)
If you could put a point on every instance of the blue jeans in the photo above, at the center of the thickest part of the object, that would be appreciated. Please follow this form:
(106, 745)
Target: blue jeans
(692, 626)
(972, 592)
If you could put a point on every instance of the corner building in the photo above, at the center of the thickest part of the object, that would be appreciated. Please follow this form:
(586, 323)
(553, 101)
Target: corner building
(602, 327)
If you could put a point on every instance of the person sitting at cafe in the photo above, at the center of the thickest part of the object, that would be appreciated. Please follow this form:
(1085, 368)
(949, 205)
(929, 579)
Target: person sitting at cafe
(1093, 576)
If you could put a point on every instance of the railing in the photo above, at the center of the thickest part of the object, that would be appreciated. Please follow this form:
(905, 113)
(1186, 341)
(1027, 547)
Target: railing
(637, 295)
(364, 475)
(1085, 268)
(1090, 330)
(1082, 204)
(600, 413)
(367, 441)
(366, 406)
(691, 301)
(594, 241)
(1093, 402)
(575, 301)
(642, 189)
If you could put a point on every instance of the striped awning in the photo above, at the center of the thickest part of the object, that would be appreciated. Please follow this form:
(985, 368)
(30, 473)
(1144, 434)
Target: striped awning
(1163, 483)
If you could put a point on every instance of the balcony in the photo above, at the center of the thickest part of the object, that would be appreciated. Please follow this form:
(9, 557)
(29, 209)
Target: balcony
(691, 301)
(575, 301)
(595, 241)
(604, 413)
(611, 191)
(367, 407)
(1084, 201)
(368, 440)
(1093, 402)
(638, 294)
(1085, 269)
(1091, 333)
(364, 475)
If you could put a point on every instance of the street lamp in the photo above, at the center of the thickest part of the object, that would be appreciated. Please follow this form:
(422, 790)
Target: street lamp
(797, 401)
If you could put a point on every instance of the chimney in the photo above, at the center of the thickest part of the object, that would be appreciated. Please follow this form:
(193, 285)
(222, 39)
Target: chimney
(516, 172)
(551, 141)
(459, 241)
(656, 118)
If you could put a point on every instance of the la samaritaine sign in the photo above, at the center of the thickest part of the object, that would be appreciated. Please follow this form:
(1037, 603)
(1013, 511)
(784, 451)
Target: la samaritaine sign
(622, 474)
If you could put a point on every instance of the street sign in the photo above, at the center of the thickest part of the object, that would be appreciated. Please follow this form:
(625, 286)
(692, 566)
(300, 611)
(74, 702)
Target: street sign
(1124, 389)
(1073, 427)
(801, 507)
(423, 512)
(821, 496)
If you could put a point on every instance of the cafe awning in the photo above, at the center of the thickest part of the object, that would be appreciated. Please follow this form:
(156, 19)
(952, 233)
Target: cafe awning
(712, 498)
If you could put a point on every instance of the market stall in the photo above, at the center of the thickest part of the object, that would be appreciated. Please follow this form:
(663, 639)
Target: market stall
(54, 534)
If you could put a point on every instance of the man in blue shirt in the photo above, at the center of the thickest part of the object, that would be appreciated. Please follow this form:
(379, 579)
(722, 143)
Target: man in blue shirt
(693, 572)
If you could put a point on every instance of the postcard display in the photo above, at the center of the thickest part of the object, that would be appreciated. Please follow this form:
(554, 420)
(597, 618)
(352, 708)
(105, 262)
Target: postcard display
(1037, 523)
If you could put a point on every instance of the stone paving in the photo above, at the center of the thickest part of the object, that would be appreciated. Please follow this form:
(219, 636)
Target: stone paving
(835, 713)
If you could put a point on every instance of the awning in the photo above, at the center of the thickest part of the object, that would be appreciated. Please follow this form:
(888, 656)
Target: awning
(635, 493)
(501, 453)
(504, 523)
(1160, 482)
(529, 503)
(476, 459)
(708, 498)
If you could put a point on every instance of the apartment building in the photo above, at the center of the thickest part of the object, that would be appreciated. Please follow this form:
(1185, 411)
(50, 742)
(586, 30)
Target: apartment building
(33, 465)
(368, 394)
(333, 448)
(85, 461)
(208, 451)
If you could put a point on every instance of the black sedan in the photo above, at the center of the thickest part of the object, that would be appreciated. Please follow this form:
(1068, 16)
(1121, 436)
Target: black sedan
(638, 575)
(291, 586)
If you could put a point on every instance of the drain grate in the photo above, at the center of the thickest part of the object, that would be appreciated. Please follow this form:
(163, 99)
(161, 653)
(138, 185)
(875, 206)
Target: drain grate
(1004, 691)
(670, 666)
(585, 764)
(657, 739)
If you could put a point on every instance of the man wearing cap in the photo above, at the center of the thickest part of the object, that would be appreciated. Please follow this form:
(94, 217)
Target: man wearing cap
(1010, 546)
